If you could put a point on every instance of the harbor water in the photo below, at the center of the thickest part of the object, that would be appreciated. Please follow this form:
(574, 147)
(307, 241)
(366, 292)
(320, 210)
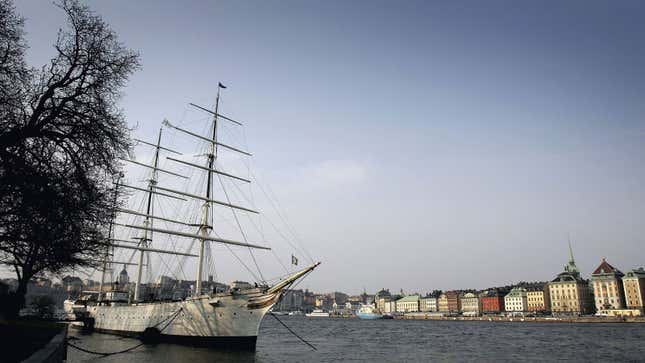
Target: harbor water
(356, 340)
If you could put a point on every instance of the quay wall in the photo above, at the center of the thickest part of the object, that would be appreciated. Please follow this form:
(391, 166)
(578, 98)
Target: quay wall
(53, 352)
(538, 319)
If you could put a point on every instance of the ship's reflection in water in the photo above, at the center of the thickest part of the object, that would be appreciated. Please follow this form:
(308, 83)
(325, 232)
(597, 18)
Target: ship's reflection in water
(395, 340)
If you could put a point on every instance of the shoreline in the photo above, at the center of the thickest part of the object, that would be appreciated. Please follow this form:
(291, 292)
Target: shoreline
(520, 319)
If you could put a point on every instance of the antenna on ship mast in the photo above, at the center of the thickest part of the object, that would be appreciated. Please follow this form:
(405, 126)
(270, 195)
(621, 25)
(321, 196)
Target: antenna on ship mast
(204, 228)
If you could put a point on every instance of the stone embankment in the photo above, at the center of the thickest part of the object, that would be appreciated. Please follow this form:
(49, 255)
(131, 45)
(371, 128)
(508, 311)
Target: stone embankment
(33, 341)
(527, 319)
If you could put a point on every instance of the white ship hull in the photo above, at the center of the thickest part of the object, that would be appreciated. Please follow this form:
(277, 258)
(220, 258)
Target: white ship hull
(225, 320)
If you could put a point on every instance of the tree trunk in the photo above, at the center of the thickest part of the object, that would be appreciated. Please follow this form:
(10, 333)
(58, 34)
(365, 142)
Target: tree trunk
(17, 298)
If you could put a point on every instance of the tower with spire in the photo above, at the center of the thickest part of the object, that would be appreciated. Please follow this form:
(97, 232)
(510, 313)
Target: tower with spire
(123, 278)
(569, 292)
(571, 266)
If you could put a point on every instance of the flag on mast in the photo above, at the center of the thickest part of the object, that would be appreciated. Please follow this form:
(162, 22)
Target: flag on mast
(294, 260)
(221, 85)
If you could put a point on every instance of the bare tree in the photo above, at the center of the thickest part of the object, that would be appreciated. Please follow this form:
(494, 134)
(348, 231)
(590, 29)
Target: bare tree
(61, 135)
(14, 74)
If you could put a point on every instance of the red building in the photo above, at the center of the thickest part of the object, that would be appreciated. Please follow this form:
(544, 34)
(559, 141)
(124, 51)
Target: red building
(493, 303)
(454, 305)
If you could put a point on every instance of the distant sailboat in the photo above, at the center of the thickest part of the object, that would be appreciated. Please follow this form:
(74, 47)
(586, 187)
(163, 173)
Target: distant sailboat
(228, 318)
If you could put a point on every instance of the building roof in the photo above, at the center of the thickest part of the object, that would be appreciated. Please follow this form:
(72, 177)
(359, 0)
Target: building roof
(606, 268)
(536, 287)
(492, 293)
(516, 292)
(638, 273)
(383, 293)
(409, 298)
(568, 277)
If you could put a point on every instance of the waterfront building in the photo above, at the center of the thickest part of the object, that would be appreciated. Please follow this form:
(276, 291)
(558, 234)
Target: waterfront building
(408, 304)
(339, 298)
(356, 300)
(470, 305)
(634, 286)
(442, 303)
(537, 297)
(454, 304)
(389, 307)
(428, 303)
(72, 284)
(309, 301)
(325, 302)
(292, 300)
(367, 299)
(569, 292)
(382, 298)
(165, 282)
(516, 300)
(608, 287)
(492, 302)
(318, 301)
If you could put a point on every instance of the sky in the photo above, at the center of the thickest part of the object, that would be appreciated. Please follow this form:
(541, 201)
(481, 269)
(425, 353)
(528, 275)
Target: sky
(412, 145)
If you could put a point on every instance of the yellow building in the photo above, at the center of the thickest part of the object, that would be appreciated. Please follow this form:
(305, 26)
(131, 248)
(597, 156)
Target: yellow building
(569, 293)
(537, 298)
(634, 286)
(442, 303)
(608, 287)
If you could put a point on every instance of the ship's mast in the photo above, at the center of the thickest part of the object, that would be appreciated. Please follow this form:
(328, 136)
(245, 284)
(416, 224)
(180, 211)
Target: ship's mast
(147, 223)
(110, 232)
(205, 227)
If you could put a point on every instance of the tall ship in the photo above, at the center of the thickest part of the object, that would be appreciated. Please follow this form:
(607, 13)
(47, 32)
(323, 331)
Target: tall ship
(176, 225)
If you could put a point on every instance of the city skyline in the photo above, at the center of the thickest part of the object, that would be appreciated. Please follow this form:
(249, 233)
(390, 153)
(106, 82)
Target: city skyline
(421, 144)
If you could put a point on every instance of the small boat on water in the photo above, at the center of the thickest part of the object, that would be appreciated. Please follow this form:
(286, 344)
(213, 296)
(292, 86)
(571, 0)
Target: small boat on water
(368, 312)
(317, 313)
(280, 313)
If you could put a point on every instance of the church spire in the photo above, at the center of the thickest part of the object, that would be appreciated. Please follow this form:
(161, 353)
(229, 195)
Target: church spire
(571, 266)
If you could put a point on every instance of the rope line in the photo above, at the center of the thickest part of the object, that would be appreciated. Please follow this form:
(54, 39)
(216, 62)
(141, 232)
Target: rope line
(293, 332)
(171, 317)
(239, 225)
(105, 354)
